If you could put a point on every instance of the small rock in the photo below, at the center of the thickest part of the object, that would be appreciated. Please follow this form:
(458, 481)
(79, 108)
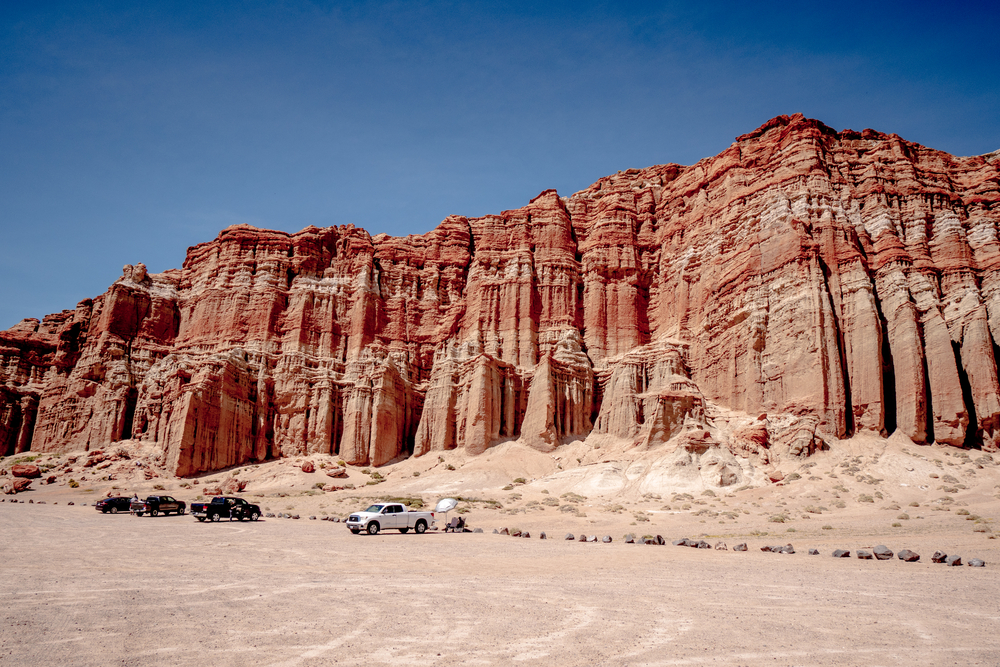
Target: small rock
(335, 519)
(26, 470)
(882, 552)
(765, 549)
(312, 518)
(660, 540)
(776, 476)
(269, 515)
(31, 502)
(592, 538)
(515, 533)
(702, 544)
(308, 466)
(976, 562)
(742, 546)
(496, 532)
(649, 540)
(582, 538)
(478, 530)
(337, 473)
(938, 557)
(814, 552)
(504, 531)
(683, 542)
(606, 539)
(541, 536)
(721, 546)
(70, 502)
(864, 555)
(787, 549)
(841, 553)
(908, 556)
(525, 534)
(569, 536)
(953, 560)
(295, 516)
(630, 539)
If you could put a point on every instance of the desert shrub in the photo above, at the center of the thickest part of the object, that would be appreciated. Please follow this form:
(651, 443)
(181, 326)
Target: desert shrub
(318, 485)
(509, 487)
(376, 475)
(790, 530)
(416, 473)
(73, 484)
(341, 463)
(449, 467)
(903, 517)
(865, 498)
(981, 528)
(962, 512)
(551, 502)
(827, 527)
(897, 525)
(520, 480)
(777, 518)
(366, 471)
(794, 476)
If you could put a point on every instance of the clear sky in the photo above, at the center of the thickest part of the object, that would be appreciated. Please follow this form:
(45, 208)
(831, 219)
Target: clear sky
(132, 130)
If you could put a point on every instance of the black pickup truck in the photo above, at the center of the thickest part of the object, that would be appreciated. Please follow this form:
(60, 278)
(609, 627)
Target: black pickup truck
(154, 505)
(225, 507)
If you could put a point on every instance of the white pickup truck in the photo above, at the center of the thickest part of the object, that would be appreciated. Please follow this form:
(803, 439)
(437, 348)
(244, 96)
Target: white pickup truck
(384, 516)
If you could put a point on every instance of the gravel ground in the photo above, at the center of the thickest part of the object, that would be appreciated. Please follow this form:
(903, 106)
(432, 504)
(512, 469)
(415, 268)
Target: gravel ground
(81, 588)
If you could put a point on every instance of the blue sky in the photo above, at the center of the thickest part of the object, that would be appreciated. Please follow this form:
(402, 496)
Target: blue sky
(132, 130)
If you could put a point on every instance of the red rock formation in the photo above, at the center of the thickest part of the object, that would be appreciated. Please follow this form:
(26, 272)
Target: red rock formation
(837, 282)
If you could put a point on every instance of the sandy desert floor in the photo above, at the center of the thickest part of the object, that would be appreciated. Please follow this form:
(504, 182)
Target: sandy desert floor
(82, 588)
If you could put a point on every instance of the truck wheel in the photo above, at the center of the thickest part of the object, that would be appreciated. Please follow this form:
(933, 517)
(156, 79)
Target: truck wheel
(153, 512)
(355, 530)
(254, 516)
(201, 518)
(180, 512)
(216, 517)
(421, 527)
(114, 510)
(404, 531)
(138, 513)
(373, 528)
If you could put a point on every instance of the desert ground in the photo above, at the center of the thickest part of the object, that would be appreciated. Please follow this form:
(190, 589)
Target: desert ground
(84, 588)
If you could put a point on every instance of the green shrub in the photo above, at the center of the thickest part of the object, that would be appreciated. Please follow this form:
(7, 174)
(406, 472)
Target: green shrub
(827, 527)
(73, 484)
(520, 480)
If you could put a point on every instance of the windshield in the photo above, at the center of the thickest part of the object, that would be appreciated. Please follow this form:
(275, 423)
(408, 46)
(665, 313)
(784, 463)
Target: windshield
(375, 508)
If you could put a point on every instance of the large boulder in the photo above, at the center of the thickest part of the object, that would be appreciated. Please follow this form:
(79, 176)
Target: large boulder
(25, 470)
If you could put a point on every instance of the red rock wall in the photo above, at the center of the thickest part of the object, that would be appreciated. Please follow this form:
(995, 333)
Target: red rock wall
(851, 278)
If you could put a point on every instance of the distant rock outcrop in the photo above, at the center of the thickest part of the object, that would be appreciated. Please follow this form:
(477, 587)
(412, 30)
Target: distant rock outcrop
(828, 282)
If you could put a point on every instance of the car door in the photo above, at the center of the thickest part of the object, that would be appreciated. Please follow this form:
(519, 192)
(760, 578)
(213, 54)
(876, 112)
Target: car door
(391, 517)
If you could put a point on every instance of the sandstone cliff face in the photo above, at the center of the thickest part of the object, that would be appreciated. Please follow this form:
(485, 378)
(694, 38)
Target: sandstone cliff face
(835, 282)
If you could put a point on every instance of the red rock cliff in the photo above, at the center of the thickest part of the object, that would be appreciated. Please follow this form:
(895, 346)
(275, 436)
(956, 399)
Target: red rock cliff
(851, 279)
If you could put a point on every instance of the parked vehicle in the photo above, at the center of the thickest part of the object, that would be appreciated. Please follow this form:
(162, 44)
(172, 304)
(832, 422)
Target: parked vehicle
(385, 516)
(113, 505)
(154, 505)
(225, 507)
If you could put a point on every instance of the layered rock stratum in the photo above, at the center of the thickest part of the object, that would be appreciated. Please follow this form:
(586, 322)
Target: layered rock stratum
(802, 285)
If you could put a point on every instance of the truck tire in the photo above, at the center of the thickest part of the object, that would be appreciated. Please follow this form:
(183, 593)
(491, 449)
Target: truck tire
(153, 512)
(216, 517)
(355, 530)
(254, 516)
(114, 510)
(421, 527)
(138, 513)
(373, 528)
(404, 531)
(201, 518)
(180, 512)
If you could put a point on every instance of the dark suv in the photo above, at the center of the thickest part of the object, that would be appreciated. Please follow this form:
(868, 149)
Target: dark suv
(113, 505)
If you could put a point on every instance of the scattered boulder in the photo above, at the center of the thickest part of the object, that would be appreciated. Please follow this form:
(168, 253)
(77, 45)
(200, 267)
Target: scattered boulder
(765, 549)
(582, 538)
(312, 518)
(814, 552)
(504, 531)
(660, 540)
(864, 555)
(683, 542)
(976, 562)
(882, 552)
(592, 538)
(25, 470)
(606, 539)
(337, 473)
(649, 540)
(953, 560)
(702, 544)
(908, 556)
(938, 557)
(295, 516)
(569, 536)
(478, 530)
(721, 546)
(630, 539)
(515, 533)
(776, 476)
(308, 466)
(232, 486)
(742, 546)
(841, 553)
(51, 479)
(541, 536)
(525, 534)
(787, 549)
(16, 485)
(496, 532)
(70, 502)
(335, 519)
